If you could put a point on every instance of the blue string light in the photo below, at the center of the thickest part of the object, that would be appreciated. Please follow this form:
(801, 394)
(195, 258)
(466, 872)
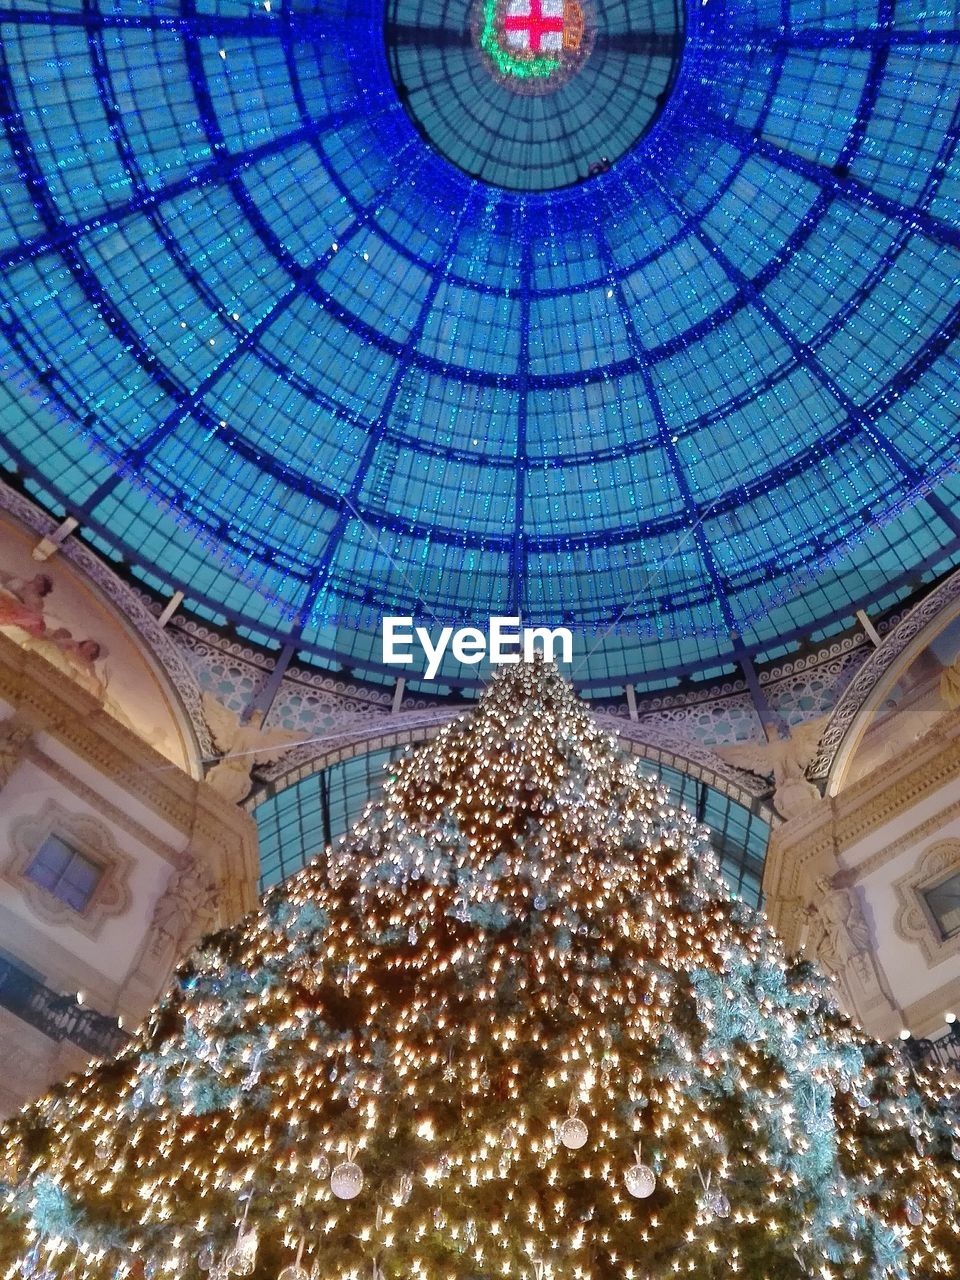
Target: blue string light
(252, 301)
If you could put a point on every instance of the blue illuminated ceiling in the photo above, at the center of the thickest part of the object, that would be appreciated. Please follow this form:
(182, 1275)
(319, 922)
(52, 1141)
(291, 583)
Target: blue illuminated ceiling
(510, 126)
(275, 350)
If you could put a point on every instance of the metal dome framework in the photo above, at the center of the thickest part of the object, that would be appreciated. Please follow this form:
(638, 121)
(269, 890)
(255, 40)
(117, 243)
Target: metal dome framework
(301, 813)
(704, 402)
(492, 127)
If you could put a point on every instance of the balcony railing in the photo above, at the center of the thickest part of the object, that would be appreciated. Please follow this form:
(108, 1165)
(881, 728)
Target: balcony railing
(59, 1017)
(936, 1051)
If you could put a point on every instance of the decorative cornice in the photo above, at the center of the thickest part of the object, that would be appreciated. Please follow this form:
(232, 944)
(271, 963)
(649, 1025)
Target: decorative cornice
(845, 663)
(75, 719)
(873, 801)
(912, 839)
(824, 837)
(90, 837)
(130, 604)
(941, 603)
(914, 921)
(106, 807)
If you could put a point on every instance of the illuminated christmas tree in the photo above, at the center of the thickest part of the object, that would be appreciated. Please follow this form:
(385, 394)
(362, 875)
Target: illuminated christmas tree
(514, 1025)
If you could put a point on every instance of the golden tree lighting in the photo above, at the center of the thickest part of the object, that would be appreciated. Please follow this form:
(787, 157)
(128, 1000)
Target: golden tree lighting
(513, 1025)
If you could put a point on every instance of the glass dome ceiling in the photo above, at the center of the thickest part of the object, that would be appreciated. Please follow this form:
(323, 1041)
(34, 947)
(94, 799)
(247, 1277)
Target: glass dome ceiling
(274, 349)
(560, 89)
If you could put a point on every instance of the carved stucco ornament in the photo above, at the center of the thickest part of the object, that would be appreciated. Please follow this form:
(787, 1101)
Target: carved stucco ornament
(92, 839)
(915, 921)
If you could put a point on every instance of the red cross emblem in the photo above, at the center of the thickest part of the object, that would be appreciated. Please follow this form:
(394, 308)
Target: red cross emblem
(534, 26)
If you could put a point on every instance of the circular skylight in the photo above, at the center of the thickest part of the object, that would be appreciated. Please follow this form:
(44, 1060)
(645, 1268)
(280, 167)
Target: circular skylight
(533, 94)
(277, 350)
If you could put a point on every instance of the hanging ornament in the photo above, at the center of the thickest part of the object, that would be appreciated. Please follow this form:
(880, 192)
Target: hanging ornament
(346, 1181)
(914, 1212)
(718, 1204)
(405, 1190)
(295, 1271)
(205, 1257)
(573, 1132)
(102, 1151)
(955, 1150)
(461, 911)
(253, 1071)
(28, 1264)
(640, 1179)
(713, 1203)
(242, 1258)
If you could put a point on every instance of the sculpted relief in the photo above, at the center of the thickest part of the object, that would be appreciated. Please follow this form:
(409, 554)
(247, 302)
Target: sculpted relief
(242, 747)
(786, 760)
(55, 614)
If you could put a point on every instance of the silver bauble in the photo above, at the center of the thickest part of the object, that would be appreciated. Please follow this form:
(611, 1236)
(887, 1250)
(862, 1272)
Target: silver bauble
(242, 1258)
(573, 1133)
(346, 1181)
(641, 1181)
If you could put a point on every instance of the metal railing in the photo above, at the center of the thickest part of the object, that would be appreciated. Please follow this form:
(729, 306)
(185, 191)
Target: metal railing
(936, 1051)
(59, 1017)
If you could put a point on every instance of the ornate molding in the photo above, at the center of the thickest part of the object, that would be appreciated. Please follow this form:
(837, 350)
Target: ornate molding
(77, 720)
(885, 794)
(73, 718)
(119, 817)
(824, 838)
(409, 727)
(942, 600)
(914, 921)
(92, 838)
(129, 603)
(911, 840)
(15, 736)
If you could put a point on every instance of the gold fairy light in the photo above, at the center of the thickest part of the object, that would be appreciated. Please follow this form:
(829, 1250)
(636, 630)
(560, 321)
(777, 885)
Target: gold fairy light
(373, 1074)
